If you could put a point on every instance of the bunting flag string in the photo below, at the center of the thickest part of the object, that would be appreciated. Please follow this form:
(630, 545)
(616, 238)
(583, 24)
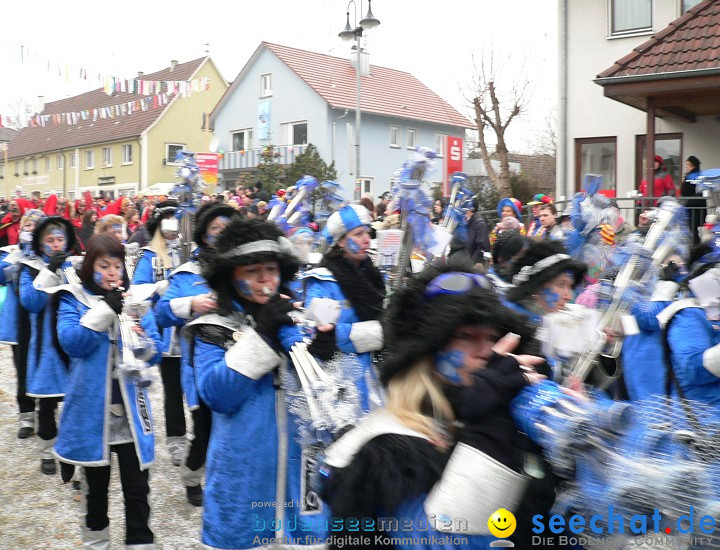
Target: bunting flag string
(179, 88)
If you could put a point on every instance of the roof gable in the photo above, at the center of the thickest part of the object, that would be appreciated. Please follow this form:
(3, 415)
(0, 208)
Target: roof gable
(51, 137)
(385, 91)
(690, 43)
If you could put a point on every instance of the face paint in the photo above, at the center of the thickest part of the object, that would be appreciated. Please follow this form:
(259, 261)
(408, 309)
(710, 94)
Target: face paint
(97, 278)
(117, 227)
(241, 285)
(25, 237)
(352, 246)
(551, 298)
(448, 363)
(48, 250)
(210, 239)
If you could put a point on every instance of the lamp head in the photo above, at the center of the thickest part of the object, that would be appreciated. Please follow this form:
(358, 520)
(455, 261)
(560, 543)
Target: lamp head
(369, 22)
(347, 33)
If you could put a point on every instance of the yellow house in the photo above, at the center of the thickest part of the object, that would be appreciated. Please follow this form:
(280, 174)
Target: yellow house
(120, 143)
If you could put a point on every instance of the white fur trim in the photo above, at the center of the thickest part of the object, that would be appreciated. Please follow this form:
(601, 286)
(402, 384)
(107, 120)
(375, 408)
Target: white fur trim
(182, 307)
(665, 291)
(367, 336)
(46, 279)
(711, 360)
(251, 356)
(99, 317)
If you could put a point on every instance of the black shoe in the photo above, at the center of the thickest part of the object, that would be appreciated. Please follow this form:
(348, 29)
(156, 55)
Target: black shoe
(25, 432)
(195, 495)
(48, 466)
(76, 485)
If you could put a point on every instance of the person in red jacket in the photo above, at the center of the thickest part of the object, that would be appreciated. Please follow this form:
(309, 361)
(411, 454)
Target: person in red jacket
(10, 224)
(662, 182)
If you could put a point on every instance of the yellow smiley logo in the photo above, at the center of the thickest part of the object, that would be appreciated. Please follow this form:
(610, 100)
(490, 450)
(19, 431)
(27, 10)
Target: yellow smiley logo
(502, 523)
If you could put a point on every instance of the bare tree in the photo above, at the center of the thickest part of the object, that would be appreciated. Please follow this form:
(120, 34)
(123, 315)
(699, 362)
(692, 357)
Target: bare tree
(545, 142)
(20, 113)
(496, 102)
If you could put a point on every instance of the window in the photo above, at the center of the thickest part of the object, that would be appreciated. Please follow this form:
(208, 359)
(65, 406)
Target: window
(440, 144)
(630, 16)
(17, 168)
(171, 152)
(72, 160)
(60, 162)
(2, 172)
(106, 156)
(89, 160)
(26, 166)
(394, 136)
(34, 166)
(265, 85)
(294, 133)
(411, 133)
(596, 156)
(126, 154)
(242, 140)
(689, 4)
(667, 146)
(47, 164)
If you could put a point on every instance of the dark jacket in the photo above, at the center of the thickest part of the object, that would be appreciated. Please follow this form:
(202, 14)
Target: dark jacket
(476, 242)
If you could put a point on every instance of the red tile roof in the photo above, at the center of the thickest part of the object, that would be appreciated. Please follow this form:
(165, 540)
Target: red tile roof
(690, 43)
(35, 140)
(385, 91)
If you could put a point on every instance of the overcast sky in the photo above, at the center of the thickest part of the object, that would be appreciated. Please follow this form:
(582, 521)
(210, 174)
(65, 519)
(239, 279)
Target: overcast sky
(435, 41)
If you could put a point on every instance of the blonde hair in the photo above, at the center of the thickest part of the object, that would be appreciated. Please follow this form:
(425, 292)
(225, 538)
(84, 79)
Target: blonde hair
(412, 391)
(159, 246)
(106, 222)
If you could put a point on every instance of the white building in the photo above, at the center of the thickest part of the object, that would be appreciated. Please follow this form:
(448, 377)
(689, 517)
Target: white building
(632, 68)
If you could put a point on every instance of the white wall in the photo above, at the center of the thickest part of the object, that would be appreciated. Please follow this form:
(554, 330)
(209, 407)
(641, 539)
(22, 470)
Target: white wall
(590, 114)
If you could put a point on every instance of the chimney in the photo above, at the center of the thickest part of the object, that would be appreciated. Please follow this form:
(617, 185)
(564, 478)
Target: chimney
(173, 64)
(41, 103)
(140, 74)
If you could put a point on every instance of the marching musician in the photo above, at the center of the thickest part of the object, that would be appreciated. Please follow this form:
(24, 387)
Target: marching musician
(188, 296)
(106, 408)
(158, 260)
(253, 456)
(15, 329)
(348, 276)
(53, 239)
(449, 385)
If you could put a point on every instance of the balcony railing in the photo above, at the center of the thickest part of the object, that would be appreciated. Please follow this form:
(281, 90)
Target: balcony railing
(249, 158)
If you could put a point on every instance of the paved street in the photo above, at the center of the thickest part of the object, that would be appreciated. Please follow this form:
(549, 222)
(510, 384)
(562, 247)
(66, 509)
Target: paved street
(38, 511)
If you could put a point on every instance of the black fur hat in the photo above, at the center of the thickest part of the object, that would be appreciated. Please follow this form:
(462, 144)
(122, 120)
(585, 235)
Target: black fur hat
(165, 209)
(233, 249)
(43, 225)
(542, 262)
(207, 213)
(418, 326)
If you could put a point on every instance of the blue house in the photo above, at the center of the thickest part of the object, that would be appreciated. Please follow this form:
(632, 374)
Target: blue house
(287, 98)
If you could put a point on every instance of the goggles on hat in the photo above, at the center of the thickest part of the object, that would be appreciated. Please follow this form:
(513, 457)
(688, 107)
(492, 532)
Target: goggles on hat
(456, 282)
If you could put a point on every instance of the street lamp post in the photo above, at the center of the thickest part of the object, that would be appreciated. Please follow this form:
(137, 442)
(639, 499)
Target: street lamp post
(369, 22)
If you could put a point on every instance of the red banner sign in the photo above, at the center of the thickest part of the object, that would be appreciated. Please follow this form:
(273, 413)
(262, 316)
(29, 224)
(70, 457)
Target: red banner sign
(208, 164)
(453, 160)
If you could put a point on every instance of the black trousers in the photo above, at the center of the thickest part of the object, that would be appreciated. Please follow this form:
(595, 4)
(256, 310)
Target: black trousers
(174, 411)
(47, 426)
(202, 423)
(135, 489)
(20, 353)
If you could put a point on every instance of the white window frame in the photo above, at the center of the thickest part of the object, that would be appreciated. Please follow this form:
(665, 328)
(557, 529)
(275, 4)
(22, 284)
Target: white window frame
(394, 140)
(26, 167)
(248, 139)
(17, 167)
(60, 162)
(266, 85)
(171, 161)
(440, 144)
(34, 166)
(126, 154)
(48, 164)
(72, 160)
(287, 132)
(90, 159)
(411, 132)
(612, 33)
(107, 160)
